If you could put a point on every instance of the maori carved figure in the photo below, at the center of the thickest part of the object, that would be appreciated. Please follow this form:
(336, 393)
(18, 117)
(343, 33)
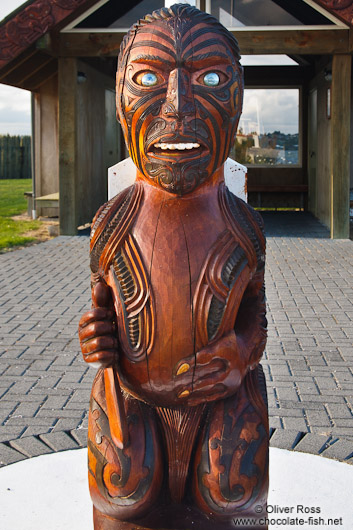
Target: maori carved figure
(178, 427)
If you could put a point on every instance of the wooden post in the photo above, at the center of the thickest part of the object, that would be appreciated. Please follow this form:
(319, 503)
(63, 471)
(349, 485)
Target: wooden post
(340, 145)
(67, 145)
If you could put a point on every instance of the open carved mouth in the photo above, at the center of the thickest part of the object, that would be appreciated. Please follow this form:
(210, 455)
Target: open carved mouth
(175, 149)
(176, 146)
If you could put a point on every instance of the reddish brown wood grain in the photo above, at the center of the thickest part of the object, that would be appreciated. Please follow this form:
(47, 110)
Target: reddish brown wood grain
(178, 428)
(33, 21)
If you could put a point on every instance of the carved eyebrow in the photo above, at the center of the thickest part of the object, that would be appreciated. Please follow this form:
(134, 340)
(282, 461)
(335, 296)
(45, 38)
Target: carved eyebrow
(207, 59)
(156, 45)
(205, 44)
(152, 60)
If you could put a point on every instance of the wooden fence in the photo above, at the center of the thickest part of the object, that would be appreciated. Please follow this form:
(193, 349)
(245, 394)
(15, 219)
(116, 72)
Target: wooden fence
(15, 157)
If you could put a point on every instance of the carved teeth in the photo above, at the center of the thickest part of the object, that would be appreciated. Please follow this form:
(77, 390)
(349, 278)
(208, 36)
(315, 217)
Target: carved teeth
(179, 147)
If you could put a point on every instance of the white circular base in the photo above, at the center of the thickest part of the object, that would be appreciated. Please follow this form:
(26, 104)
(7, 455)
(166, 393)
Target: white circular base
(50, 492)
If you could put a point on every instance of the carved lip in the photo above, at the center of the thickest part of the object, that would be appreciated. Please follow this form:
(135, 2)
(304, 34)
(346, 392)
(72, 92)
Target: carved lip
(173, 154)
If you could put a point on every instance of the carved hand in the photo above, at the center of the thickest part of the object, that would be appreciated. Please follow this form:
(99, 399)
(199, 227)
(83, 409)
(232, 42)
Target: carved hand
(219, 369)
(97, 329)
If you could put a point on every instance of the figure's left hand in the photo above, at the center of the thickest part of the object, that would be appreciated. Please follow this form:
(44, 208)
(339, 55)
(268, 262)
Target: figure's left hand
(97, 330)
(219, 369)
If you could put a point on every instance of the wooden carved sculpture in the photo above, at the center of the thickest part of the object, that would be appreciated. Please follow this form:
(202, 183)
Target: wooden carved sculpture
(178, 427)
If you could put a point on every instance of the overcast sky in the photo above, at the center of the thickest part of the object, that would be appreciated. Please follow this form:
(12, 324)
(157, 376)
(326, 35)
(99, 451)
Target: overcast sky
(259, 105)
(15, 104)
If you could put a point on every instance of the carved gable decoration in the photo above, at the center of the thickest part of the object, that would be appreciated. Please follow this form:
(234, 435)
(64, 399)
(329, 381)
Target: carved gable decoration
(31, 23)
(342, 9)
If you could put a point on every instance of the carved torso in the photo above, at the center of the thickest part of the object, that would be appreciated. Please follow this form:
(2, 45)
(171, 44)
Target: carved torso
(176, 273)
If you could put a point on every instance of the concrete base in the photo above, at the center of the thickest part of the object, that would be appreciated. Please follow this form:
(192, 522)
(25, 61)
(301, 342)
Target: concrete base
(50, 492)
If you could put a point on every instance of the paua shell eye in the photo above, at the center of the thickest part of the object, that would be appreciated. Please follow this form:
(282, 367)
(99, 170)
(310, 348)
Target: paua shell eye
(148, 79)
(211, 79)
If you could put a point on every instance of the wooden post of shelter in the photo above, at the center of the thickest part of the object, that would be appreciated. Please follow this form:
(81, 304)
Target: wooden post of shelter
(340, 145)
(67, 145)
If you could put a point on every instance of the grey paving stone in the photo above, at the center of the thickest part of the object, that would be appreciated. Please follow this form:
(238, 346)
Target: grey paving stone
(10, 432)
(340, 450)
(28, 409)
(318, 418)
(285, 438)
(59, 441)
(340, 411)
(312, 443)
(276, 422)
(36, 430)
(80, 435)
(30, 446)
(8, 455)
(299, 424)
(67, 424)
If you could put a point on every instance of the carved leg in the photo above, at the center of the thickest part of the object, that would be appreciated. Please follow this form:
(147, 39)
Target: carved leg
(124, 484)
(231, 465)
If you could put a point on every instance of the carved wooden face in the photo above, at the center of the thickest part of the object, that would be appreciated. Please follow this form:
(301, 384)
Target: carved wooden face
(179, 97)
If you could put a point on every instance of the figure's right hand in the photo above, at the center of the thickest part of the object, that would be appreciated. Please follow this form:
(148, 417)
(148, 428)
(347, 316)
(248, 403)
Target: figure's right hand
(97, 334)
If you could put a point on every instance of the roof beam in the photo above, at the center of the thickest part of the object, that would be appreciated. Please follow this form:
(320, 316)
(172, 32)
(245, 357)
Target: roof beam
(271, 76)
(292, 42)
(255, 41)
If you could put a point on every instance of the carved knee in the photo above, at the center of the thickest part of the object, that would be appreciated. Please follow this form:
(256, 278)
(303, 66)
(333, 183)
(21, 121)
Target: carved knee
(124, 483)
(231, 465)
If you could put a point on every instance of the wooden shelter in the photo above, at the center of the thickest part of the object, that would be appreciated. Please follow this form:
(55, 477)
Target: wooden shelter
(64, 52)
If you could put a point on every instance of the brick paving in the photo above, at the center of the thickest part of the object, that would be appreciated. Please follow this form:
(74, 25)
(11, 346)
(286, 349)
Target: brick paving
(45, 386)
(309, 359)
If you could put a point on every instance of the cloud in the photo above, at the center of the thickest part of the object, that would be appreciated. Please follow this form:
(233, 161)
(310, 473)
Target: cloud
(271, 110)
(7, 7)
(15, 111)
(15, 104)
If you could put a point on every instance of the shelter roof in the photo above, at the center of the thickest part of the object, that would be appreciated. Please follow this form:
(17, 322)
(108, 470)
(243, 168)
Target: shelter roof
(23, 32)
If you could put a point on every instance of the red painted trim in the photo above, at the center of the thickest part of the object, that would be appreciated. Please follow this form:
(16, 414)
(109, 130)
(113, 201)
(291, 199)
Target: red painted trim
(342, 9)
(18, 33)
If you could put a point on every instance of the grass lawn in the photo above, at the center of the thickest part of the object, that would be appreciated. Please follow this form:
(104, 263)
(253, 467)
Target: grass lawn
(13, 202)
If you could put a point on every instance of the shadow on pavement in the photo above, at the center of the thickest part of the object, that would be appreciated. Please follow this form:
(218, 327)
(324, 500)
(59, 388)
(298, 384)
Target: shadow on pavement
(293, 224)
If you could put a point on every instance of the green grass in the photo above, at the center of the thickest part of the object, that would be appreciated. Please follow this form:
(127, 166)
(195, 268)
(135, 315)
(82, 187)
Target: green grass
(13, 202)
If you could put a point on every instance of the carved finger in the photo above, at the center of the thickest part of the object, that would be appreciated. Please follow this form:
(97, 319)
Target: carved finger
(101, 358)
(208, 393)
(206, 398)
(101, 295)
(207, 384)
(184, 367)
(93, 315)
(96, 329)
(213, 371)
(106, 342)
(224, 348)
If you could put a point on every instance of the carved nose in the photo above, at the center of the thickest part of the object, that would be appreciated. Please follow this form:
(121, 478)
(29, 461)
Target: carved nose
(179, 100)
